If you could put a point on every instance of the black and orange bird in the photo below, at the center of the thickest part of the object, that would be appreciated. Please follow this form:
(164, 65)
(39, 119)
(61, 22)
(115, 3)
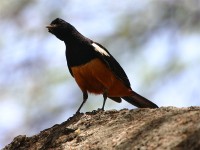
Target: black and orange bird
(94, 68)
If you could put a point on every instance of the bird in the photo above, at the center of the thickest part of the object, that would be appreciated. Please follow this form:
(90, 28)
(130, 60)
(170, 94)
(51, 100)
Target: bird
(94, 69)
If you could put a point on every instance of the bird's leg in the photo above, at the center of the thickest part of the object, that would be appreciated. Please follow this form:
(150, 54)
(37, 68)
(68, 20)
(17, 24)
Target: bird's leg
(85, 97)
(104, 99)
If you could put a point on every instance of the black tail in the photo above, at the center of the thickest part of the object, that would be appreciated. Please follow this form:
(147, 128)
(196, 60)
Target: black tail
(139, 101)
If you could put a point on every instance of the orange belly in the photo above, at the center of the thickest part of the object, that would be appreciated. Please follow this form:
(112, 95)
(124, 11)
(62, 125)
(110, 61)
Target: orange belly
(96, 77)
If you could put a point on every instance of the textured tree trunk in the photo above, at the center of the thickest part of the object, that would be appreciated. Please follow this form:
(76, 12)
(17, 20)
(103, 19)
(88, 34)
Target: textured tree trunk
(163, 128)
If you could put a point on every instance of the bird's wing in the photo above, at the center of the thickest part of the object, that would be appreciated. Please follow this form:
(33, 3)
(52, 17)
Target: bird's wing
(110, 61)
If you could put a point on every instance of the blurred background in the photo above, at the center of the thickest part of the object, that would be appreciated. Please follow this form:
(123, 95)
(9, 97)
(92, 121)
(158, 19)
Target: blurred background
(156, 42)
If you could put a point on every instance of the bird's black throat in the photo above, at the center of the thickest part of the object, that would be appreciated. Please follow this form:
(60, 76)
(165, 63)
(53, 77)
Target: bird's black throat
(79, 53)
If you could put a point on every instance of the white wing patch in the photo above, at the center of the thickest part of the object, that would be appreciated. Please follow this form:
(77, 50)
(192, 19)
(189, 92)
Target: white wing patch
(99, 49)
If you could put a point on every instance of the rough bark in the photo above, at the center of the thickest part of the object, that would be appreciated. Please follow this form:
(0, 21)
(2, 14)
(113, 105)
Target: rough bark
(163, 128)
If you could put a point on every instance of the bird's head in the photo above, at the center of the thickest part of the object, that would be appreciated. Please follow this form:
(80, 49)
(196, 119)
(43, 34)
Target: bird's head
(60, 28)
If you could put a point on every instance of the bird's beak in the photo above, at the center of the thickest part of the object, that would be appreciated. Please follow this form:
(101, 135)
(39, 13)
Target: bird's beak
(50, 27)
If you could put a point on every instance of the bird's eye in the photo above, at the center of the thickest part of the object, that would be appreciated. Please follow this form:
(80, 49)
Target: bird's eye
(53, 24)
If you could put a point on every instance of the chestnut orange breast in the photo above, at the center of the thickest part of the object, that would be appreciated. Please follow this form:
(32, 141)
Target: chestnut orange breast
(96, 77)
